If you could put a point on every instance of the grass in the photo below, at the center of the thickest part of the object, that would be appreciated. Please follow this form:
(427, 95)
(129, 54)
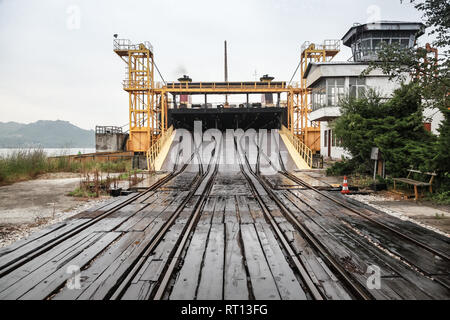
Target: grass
(361, 181)
(441, 197)
(82, 193)
(128, 174)
(439, 216)
(93, 187)
(25, 164)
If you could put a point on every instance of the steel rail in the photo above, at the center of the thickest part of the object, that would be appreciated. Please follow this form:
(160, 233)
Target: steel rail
(190, 228)
(402, 235)
(19, 261)
(119, 289)
(24, 258)
(291, 254)
(307, 185)
(420, 244)
(432, 250)
(356, 288)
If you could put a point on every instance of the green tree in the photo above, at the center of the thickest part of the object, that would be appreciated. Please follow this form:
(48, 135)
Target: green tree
(430, 73)
(394, 126)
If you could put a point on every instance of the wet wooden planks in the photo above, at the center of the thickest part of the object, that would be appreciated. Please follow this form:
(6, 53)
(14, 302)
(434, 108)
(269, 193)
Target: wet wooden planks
(38, 282)
(416, 255)
(233, 252)
(433, 239)
(354, 250)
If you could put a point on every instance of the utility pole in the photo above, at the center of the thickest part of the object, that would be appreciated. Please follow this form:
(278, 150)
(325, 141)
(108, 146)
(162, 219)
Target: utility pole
(226, 71)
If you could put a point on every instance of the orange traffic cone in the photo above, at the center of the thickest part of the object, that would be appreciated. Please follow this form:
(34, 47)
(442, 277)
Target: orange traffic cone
(345, 186)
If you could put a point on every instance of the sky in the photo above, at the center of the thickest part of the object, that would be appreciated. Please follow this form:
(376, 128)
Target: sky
(57, 60)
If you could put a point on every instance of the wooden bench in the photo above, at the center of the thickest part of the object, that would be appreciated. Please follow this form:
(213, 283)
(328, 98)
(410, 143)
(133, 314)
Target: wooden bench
(416, 183)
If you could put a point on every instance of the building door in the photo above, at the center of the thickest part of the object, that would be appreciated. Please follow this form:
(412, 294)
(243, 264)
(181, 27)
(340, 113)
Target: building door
(329, 143)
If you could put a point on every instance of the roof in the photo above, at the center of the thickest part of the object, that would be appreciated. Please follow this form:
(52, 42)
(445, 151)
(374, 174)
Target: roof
(416, 27)
(308, 68)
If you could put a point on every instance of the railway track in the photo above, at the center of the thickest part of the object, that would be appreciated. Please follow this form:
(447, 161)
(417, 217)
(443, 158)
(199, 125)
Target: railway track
(15, 257)
(7, 265)
(357, 290)
(437, 253)
(210, 230)
(121, 290)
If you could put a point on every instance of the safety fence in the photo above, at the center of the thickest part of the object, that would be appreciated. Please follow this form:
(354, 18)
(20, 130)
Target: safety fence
(305, 152)
(155, 149)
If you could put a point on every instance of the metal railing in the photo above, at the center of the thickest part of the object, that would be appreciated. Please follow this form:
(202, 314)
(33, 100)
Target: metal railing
(155, 149)
(149, 46)
(125, 44)
(302, 149)
(327, 45)
(222, 85)
(107, 129)
(231, 85)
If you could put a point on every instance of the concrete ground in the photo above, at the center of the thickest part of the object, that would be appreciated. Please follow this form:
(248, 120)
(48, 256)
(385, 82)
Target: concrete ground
(424, 213)
(30, 205)
(320, 174)
(29, 201)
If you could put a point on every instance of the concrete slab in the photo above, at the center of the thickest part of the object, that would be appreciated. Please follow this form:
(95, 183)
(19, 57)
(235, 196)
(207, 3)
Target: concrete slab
(431, 217)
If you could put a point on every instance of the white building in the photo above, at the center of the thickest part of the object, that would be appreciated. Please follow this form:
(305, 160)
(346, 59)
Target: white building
(330, 81)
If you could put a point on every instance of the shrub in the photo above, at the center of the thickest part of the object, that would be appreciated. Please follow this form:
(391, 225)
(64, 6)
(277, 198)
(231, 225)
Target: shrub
(28, 163)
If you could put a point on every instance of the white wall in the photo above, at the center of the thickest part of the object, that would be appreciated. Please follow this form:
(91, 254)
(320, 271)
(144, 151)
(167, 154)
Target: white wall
(336, 152)
(383, 85)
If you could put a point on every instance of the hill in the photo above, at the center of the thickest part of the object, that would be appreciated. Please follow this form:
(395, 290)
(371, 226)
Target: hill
(45, 134)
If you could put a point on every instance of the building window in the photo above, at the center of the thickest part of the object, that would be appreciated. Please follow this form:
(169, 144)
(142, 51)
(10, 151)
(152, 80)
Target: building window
(366, 47)
(327, 93)
(335, 90)
(404, 43)
(376, 44)
(335, 141)
(318, 95)
(325, 138)
(357, 87)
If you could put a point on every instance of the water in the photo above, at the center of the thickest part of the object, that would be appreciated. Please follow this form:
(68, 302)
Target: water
(49, 151)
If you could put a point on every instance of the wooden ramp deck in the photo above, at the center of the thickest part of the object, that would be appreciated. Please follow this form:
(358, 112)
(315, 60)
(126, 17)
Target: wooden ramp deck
(225, 232)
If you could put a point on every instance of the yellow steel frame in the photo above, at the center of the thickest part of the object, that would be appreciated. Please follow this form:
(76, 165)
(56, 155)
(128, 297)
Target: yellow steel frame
(148, 100)
(146, 115)
(223, 88)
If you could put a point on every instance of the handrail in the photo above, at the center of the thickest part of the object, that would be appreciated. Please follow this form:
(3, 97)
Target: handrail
(155, 149)
(302, 149)
(126, 45)
(225, 85)
(327, 45)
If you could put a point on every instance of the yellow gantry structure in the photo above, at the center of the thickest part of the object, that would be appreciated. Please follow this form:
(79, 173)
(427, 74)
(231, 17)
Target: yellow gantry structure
(146, 116)
(148, 99)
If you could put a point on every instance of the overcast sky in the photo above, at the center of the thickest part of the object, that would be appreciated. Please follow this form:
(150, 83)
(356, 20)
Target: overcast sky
(56, 58)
